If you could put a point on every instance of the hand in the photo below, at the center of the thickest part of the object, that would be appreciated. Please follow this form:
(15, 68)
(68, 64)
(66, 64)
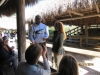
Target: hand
(16, 56)
(44, 51)
(44, 39)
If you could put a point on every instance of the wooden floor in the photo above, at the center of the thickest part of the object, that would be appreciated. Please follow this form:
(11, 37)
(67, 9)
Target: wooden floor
(82, 55)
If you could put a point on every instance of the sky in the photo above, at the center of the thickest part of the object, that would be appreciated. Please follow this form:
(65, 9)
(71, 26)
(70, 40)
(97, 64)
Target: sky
(9, 22)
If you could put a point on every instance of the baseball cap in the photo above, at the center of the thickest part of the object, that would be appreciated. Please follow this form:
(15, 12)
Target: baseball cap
(38, 17)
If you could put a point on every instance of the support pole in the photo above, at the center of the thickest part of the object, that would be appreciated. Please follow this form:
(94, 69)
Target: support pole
(86, 34)
(80, 42)
(21, 29)
(82, 29)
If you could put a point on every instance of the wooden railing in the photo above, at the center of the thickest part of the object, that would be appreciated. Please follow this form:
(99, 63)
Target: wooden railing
(73, 31)
(94, 26)
(77, 30)
(83, 37)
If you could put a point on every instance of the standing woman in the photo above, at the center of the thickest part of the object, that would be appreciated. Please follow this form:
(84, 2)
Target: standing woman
(58, 40)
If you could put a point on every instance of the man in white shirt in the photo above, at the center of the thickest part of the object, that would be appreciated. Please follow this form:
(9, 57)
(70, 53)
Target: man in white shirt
(38, 32)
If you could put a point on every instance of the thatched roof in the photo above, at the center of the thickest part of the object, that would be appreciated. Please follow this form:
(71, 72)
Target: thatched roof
(52, 10)
(8, 7)
(3, 29)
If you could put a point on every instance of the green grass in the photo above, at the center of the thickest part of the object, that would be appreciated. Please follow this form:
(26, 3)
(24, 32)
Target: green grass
(51, 29)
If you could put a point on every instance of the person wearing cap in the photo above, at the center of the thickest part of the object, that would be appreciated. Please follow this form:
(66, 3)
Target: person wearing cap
(38, 32)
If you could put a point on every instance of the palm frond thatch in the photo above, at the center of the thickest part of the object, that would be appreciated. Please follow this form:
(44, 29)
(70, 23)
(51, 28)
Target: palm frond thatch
(51, 8)
(9, 7)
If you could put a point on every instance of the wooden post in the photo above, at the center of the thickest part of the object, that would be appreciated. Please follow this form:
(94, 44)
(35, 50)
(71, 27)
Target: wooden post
(86, 34)
(80, 42)
(82, 29)
(21, 29)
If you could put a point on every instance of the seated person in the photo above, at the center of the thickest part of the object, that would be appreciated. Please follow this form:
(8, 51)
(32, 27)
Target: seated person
(68, 66)
(30, 67)
(6, 53)
(0, 34)
(1, 42)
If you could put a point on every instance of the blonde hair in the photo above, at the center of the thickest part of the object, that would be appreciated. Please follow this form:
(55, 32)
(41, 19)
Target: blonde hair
(60, 27)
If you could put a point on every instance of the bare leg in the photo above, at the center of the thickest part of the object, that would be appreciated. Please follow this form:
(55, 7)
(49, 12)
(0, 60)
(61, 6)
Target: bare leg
(57, 59)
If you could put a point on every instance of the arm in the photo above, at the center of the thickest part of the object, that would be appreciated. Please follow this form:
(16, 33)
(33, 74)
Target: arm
(31, 34)
(46, 35)
(46, 70)
(46, 64)
(61, 41)
(12, 52)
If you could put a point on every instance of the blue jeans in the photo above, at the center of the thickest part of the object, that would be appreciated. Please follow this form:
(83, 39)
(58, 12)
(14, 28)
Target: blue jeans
(14, 62)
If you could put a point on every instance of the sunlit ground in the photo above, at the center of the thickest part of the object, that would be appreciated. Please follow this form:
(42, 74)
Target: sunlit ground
(88, 60)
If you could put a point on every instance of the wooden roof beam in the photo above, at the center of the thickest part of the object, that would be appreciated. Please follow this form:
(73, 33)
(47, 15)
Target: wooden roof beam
(50, 19)
(97, 8)
(65, 16)
(2, 1)
(76, 13)
(70, 14)
(96, 15)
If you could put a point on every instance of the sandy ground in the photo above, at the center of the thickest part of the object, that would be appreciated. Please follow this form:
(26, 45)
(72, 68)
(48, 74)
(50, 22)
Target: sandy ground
(89, 59)
(88, 65)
